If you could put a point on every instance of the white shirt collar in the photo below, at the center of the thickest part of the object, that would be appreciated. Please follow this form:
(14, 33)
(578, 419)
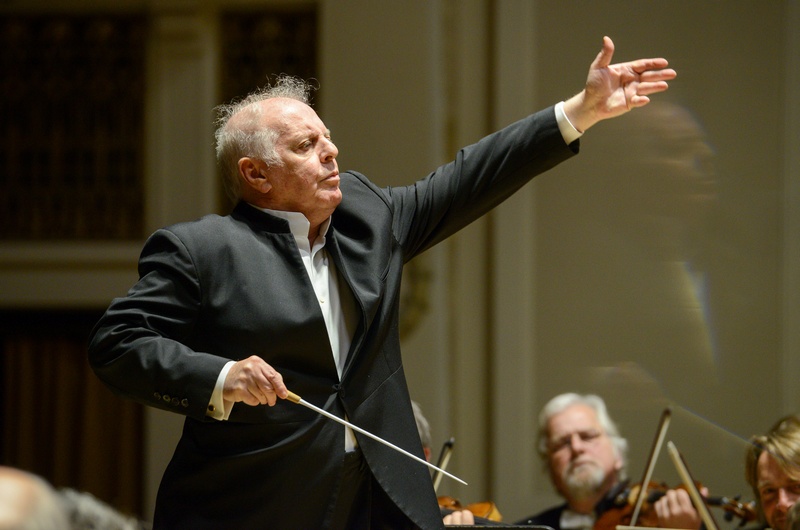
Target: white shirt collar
(298, 223)
(574, 520)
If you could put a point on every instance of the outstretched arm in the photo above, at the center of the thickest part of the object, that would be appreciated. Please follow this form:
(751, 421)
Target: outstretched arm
(614, 89)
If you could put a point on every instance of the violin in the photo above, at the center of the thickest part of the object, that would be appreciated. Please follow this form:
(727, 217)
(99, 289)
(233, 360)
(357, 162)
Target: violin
(622, 508)
(629, 501)
(484, 512)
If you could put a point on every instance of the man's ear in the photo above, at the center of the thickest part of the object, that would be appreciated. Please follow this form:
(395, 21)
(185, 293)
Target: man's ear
(254, 173)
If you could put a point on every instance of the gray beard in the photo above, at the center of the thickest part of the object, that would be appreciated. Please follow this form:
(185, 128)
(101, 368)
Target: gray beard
(583, 482)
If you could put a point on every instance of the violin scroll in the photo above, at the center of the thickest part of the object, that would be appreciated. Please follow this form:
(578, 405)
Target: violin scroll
(745, 511)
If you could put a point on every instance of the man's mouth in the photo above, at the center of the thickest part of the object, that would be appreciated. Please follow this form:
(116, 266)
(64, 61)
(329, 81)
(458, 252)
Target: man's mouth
(580, 466)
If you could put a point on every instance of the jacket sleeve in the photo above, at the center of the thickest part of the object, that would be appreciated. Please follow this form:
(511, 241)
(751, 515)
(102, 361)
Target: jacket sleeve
(139, 347)
(480, 177)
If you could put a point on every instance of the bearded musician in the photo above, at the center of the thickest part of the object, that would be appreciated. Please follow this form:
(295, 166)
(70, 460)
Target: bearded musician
(586, 459)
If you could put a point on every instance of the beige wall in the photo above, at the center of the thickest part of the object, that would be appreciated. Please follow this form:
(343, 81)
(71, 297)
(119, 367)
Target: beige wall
(577, 283)
(654, 273)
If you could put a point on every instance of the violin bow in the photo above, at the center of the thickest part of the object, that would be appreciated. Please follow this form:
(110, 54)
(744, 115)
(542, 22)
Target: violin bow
(444, 459)
(691, 487)
(663, 424)
(294, 398)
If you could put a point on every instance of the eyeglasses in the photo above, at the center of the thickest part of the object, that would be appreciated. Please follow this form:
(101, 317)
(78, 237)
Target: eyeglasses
(589, 436)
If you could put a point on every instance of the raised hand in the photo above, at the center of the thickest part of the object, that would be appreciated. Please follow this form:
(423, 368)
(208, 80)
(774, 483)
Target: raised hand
(614, 89)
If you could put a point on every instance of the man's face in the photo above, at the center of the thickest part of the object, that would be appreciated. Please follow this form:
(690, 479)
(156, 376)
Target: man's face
(583, 461)
(307, 180)
(776, 491)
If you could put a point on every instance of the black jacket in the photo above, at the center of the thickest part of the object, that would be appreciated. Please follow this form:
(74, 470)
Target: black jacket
(225, 288)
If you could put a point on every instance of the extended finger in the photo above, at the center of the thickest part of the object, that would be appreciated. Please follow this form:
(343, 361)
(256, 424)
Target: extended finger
(658, 75)
(603, 58)
(643, 65)
(645, 89)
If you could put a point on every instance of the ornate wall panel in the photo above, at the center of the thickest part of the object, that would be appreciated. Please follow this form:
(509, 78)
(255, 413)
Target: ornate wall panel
(71, 132)
(256, 46)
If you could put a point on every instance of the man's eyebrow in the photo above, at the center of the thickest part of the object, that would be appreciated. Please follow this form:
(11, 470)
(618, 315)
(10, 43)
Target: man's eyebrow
(772, 483)
(313, 133)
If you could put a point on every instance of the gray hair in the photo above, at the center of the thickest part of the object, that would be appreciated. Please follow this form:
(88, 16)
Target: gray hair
(563, 401)
(87, 512)
(240, 129)
(422, 425)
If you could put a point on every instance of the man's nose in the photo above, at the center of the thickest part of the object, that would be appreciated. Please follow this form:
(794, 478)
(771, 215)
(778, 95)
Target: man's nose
(329, 151)
(576, 443)
(785, 499)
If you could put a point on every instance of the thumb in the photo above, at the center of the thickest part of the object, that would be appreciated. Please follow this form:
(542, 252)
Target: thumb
(603, 58)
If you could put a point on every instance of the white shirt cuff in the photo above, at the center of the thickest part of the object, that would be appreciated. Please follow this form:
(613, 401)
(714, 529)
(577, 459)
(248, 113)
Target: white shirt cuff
(568, 131)
(219, 408)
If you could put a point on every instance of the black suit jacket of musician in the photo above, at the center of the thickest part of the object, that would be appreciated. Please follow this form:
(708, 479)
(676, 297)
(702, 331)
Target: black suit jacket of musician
(225, 288)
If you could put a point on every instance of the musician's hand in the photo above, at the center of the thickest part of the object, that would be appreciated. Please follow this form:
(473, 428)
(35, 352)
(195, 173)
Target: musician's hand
(675, 510)
(463, 517)
(254, 382)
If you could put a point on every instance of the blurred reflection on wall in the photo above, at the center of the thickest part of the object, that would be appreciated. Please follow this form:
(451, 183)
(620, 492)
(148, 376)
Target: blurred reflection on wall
(653, 287)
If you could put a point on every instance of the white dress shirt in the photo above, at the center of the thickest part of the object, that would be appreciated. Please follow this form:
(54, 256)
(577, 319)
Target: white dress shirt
(324, 279)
